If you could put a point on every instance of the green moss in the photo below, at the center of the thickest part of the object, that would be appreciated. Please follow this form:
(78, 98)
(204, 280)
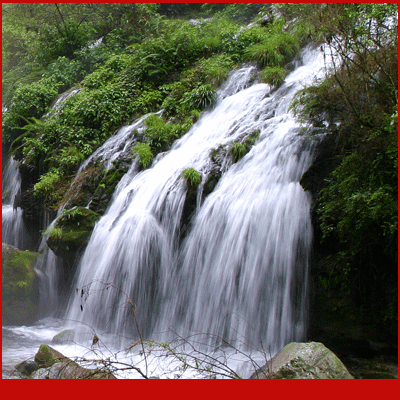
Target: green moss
(143, 150)
(73, 228)
(192, 176)
(273, 75)
(237, 151)
(19, 286)
(45, 356)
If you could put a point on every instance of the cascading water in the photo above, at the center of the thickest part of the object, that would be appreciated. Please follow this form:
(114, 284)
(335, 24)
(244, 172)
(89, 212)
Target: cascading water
(13, 227)
(241, 272)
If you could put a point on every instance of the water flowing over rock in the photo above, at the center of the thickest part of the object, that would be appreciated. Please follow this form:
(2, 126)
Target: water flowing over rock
(242, 271)
(13, 228)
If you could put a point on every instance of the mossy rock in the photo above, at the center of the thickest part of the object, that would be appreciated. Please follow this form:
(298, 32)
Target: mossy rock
(310, 360)
(20, 289)
(71, 232)
(47, 356)
(54, 365)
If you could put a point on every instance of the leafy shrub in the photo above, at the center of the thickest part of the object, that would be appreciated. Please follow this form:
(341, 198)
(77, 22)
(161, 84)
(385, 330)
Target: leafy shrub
(274, 48)
(160, 134)
(47, 183)
(70, 158)
(64, 72)
(216, 69)
(143, 150)
(28, 101)
(192, 176)
(200, 98)
(98, 78)
(52, 42)
(148, 101)
(103, 109)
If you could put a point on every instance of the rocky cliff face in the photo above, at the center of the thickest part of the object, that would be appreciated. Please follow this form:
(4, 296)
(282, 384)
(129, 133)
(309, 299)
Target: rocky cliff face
(19, 286)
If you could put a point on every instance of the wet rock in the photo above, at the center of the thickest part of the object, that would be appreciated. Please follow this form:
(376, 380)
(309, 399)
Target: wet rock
(304, 361)
(54, 365)
(20, 291)
(27, 367)
(65, 336)
(70, 234)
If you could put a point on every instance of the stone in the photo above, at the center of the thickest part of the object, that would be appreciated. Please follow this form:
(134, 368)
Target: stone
(27, 367)
(54, 365)
(20, 289)
(47, 356)
(70, 235)
(65, 336)
(310, 360)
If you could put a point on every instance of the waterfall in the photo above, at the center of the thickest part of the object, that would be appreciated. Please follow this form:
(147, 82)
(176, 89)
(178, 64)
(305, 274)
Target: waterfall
(242, 271)
(13, 228)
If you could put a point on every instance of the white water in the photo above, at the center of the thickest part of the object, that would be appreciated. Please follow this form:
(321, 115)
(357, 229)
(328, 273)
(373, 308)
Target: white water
(13, 227)
(242, 272)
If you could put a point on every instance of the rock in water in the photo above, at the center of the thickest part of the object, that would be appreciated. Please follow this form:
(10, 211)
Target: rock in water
(304, 361)
(54, 365)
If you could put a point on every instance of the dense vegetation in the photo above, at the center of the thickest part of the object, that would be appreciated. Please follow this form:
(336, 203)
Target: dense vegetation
(126, 60)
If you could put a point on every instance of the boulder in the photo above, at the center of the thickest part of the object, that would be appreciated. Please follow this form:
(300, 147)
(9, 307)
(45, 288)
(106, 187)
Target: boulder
(70, 234)
(20, 290)
(54, 365)
(65, 336)
(27, 367)
(310, 360)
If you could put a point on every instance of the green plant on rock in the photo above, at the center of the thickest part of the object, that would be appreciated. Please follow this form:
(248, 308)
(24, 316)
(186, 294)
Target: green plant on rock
(200, 98)
(54, 233)
(160, 134)
(47, 183)
(70, 158)
(192, 176)
(216, 68)
(143, 150)
(274, 48)
(273, 75)
(237, 151)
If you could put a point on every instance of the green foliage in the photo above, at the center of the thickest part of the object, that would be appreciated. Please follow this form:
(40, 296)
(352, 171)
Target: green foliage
(274, 48)
(64, 73)
(216, 68)
(54, 233)
(239, 12)
(28, 101)
(273, 75)
(160, 134)
(47, 183)
(200, 98)
(192, 176)
(70, 158)
(237, 151)
(357, 207)
(52, 42)
(143, 150)
(148, 101)
(76, 217)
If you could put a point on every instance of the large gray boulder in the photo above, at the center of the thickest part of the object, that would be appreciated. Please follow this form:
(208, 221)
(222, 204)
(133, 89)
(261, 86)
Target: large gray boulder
(304, 361)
